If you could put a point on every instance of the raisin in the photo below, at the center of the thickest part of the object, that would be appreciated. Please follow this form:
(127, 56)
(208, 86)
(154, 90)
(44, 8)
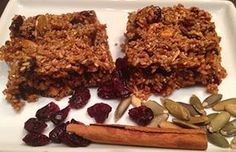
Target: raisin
(141, 115)
(60, 116)
(56, 133)
(73, 140)
(36, 139)
(79, 98)
(16, 24)
(99, 111)
(46, 112)
(35, 125)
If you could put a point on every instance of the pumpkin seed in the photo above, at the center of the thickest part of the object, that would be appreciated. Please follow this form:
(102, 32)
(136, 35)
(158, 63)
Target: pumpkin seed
(221, 105)
(157, 120)
(211, 100)
(198, 120)
(167, 124)
(121, 108)
(156, 107)
(196, 103)
(176, 109)
(231, 108)
(190, 108)
(210, 117)
(217, 140)
(233, 143)
(136, 102)
(218, 122)
(229, 129)
(184, 124)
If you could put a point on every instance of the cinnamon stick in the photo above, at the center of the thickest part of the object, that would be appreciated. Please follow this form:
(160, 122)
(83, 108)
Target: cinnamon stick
(194, 139)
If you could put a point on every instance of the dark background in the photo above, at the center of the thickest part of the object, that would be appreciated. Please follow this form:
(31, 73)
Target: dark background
(4, 2)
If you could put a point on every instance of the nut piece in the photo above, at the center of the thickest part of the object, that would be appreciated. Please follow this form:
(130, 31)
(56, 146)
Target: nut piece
(218, 122)
(41, 24)
(167, 124)
(196, 103)
(217, 140)
(221, 105)
(136, 102)
(184, 124)
(122, 107)
(158, 119)
(211, 100)
(157, 109)
(231, 108)
(176, 109)
(229, 129)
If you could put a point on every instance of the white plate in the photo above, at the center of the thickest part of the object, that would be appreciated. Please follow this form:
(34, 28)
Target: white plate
(114, 14)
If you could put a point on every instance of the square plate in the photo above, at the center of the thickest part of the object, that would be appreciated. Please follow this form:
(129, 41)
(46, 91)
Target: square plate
(114, 14)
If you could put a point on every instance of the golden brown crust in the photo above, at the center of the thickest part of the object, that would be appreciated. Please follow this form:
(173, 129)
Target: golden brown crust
(171, 48)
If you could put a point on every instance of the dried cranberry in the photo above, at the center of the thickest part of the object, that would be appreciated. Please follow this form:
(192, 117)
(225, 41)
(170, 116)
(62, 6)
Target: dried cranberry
(56, 133)
(99, 111)
(73, 140)
(106, 91)
(47, 111)
(35, 125)
(79, 98)
(60, 116)
(73, 121)
(141, 115)
(116, 88)
(120, 86)
(36, 139)
(157, 16)
(16, 24)
(123, 67)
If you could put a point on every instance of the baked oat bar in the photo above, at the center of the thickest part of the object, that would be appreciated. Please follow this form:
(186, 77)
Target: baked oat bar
(172, 47)
(50, 55)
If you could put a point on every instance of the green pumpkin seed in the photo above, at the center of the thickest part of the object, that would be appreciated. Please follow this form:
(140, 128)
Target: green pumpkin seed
(196, 103)
(157, 120)
(221, 105)
(217, 140)
(231, 108)
(210, 117)
(198, 120)
(176, 109)
(229, 129)
(211, 100)
(218, 122)
(184, 124)
(190, 108)
(233, 143)
(121, 108)
(167, 124)
(157, 109)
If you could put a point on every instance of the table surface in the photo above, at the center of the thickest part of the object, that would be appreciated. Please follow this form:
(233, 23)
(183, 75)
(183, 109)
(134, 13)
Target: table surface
(4, 2)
